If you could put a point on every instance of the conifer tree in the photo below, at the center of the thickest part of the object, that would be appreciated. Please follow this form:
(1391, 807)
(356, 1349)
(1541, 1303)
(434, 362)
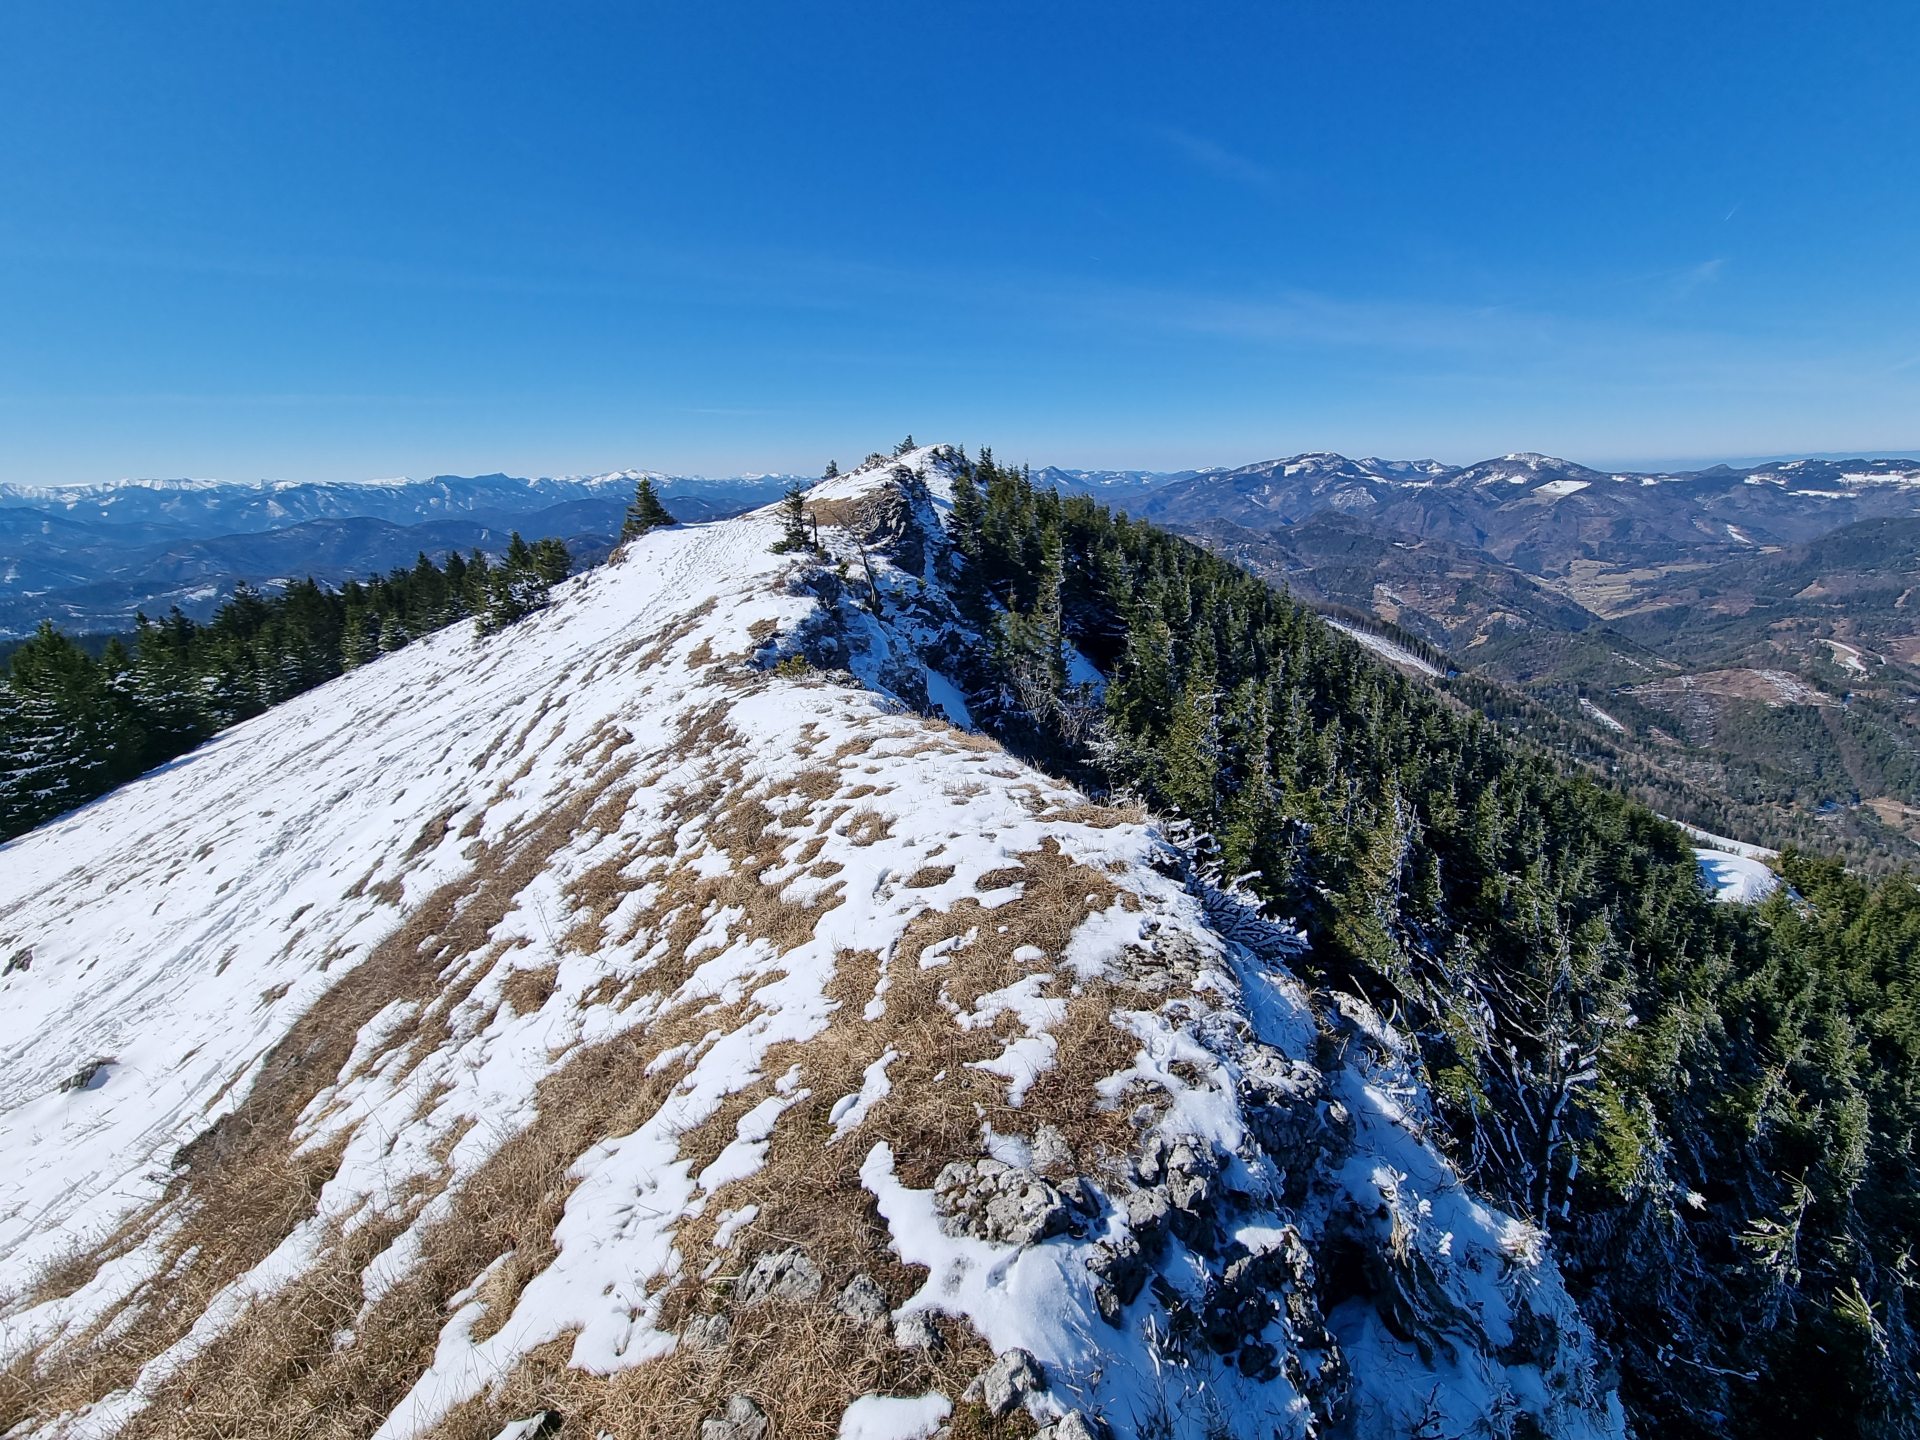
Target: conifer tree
(794, 531)
(551, 560)
(968, 512)
(833, 470)
(516, 588)
(1192, 756)
(646, 512)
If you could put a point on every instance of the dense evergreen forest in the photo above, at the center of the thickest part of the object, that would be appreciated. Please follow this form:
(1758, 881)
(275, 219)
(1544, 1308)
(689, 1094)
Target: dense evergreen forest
(74, 724)
(1710, 1109)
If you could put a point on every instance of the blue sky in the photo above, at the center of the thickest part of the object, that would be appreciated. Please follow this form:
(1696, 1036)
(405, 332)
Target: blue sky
(335, 240)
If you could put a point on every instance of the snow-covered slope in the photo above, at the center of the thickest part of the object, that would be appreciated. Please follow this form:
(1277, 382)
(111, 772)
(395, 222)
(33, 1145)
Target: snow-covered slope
(647, 1017)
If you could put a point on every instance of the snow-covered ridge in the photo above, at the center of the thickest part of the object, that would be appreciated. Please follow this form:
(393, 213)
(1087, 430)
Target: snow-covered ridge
(654, 980)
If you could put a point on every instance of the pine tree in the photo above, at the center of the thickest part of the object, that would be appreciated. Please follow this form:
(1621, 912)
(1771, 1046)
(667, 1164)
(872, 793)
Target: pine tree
(62, 728)
(833, 470)
(1246, 828)
(551, 560)
(646, 512)
(969, 512)
(1192, 754)
(794, 532)
(516, 589)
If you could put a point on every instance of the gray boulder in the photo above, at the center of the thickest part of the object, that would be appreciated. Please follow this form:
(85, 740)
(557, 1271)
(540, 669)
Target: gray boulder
(778, 1275)
(917, 1331)
(742, 1419)
(1119, 1269)
(1075, 1426)
(863, 1300)
(1000, 1388)
(993, 1201)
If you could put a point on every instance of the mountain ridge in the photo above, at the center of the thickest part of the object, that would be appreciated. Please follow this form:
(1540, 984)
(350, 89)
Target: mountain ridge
(636, 836)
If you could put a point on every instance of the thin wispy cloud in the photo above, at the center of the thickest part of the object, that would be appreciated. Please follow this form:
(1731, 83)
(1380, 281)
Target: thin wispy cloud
(1214, 158)
(1697, 277)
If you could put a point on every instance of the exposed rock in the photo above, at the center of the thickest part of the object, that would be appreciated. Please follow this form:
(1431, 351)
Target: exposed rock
(89, 1076)
(778, 1275)
(21, 959)
(1013, 1376)
(1119, 1269)
(1051, 1150)
(1074, 1425)
(1283, 1101)
(742, 1419)
(994, 1201)
(1191, 1172)
(1148, 1211)
(1150, 1165)
(863, 1300)
(918, 1331)
(1082, 1197)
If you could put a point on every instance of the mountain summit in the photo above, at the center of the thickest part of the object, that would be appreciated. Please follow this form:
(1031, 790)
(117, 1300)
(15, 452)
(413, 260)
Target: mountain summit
(668, 1016)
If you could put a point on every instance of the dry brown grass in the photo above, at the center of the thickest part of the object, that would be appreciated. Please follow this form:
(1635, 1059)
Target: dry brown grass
(663, 641)
(526, 990)
(279, 1371)
(803, 1363)
(243, 1185)
(868, 827)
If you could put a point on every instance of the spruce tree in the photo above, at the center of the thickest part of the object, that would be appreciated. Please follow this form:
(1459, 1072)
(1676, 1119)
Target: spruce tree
(1192, 755)
(552, 561)
(516, 589)
(646, 512)
(794, 531)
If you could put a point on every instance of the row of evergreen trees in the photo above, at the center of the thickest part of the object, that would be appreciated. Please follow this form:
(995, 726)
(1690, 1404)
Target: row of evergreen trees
(73, 726)
(1713, 1110)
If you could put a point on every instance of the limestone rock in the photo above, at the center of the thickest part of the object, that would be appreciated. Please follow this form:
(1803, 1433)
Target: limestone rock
(1075, 1425)
(1119, 1269)
(1013, 1376)
(993, 1201)
(917, 1331)
(863, 1300)
(742, 1419)
(778, 1275)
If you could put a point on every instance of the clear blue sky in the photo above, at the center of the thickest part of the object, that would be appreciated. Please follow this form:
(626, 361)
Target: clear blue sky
(340, 240)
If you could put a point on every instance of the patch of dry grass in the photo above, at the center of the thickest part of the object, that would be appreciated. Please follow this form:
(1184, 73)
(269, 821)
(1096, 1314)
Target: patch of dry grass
(280, 1372)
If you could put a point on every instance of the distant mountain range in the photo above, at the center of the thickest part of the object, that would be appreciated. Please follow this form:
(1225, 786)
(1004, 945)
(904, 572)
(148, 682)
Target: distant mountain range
(89, 556)
(1751, 633)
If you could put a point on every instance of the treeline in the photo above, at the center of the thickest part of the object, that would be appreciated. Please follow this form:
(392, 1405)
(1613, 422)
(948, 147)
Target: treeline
(74, 725)
(1711, 1109)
